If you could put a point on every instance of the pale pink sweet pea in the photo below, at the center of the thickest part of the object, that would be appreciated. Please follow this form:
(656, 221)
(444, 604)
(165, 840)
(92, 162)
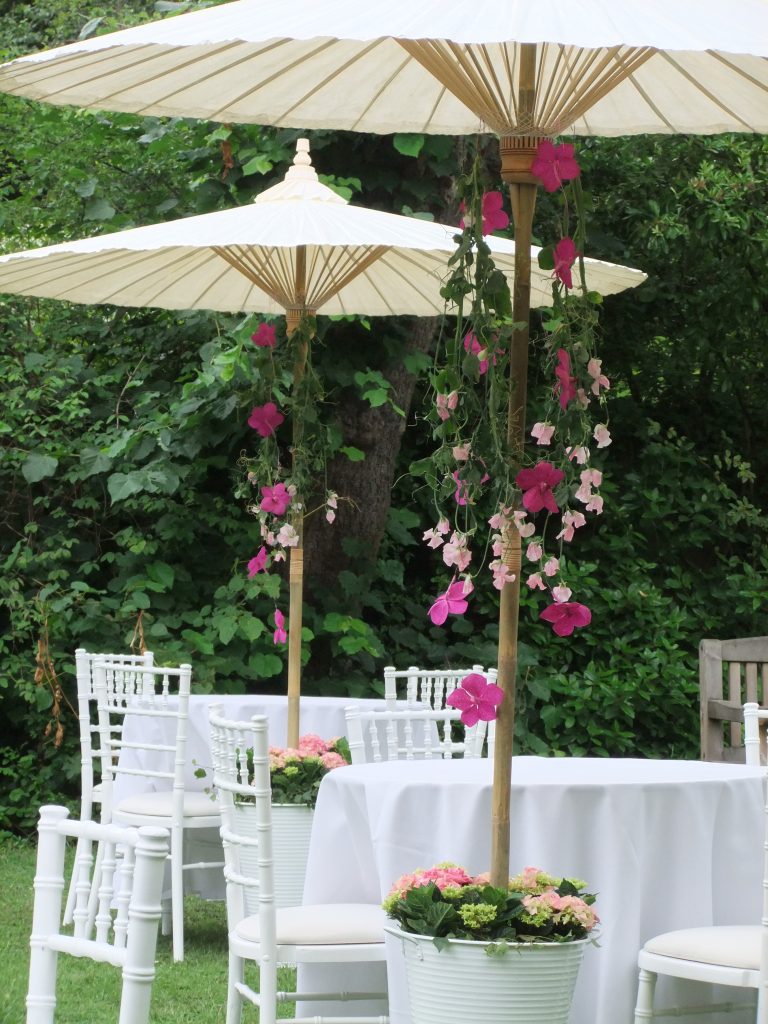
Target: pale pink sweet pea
(331, 505)
(536, 485)
(599, 380)
(566, 382)
(535, 582)
(595, 504)
(582, 398)
(552, 567)
(456, 552)
(579, 454)
(279, 636)
(561, 593)
(258, 563)
(461, 452)
(476, 698)
(523, 528)
(534, 551)
(287, 536)
(265, 419)
(501, 574)
(497, 545)
(553, 164)
(446, 404)
(602, 435)
(471, 344)
(452, 602)
(542, 432)
(434, 537)
(264, 336)
(589, 478)
(571, 522)
(566, 617)
(275, 499)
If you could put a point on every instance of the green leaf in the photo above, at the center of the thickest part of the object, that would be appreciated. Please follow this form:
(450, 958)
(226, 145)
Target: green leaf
(547, 258)
(408, 144)
(250, 627)
(258, 165)
(353, 454)
(37, 467)
(198, 641)
(123, 485)
(417, 362)
(161, 573)
(98, 209)
(94, 461)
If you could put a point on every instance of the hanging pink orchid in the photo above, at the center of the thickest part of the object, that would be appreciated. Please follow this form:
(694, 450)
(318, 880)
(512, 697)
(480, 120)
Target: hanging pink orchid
(566, 382)
(264, 336)
(258, 563)
(275, 499)
(265, 419)
(494, 217)
(279, 636)
(565, 256)
(536, 485)
(553, 164)
(452, 602)
(476, 698)
(566, 617)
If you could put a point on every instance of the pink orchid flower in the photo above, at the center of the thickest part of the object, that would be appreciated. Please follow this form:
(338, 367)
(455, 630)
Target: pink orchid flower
(452, 602)
(265, 419)
(258, 563)
(565, 256)
(264, 336)
(554, 164)
(476, 698)
(279, 636)
(275, 499)
(566, 617)
(536, 485)
(566, 383)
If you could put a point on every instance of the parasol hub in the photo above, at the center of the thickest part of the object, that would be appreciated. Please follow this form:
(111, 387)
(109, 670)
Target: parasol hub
(517, 154)
(300, 182)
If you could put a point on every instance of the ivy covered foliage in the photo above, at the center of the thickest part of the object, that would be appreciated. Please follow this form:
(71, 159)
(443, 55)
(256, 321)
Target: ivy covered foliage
(123, 502)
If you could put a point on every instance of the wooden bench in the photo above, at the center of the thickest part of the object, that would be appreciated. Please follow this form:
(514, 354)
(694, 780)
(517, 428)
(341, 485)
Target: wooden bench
(731, 672)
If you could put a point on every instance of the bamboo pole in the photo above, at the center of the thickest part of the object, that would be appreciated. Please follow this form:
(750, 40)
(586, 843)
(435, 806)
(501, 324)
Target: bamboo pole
(293, 318)
(516, 157)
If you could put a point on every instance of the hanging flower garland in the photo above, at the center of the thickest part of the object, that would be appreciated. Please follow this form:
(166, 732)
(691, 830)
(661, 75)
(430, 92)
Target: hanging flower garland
(287, 465)
(476, 478)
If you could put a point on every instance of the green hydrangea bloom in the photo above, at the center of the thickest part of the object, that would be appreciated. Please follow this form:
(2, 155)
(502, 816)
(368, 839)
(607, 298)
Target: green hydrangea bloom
(476, 915)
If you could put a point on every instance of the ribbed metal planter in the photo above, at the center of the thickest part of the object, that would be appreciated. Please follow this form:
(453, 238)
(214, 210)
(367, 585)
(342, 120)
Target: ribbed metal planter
(529, 984)
(291, 830)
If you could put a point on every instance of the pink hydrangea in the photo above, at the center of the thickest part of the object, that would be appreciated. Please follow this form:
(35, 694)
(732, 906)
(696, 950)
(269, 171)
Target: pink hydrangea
(311, 743)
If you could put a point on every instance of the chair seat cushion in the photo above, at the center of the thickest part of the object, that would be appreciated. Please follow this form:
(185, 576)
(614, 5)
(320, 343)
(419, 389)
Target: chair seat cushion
(727, 945)
(322, 924)
(196, 805)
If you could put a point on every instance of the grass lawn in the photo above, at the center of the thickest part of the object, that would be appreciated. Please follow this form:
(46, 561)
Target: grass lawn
(192, 992)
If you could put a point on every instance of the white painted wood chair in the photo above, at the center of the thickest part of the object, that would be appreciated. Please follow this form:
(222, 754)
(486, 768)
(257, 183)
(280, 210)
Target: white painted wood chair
(412, 734)
(146, 693)
(426, 688)
(733, 955)
(330, 934)
(90, 748)
(731, 673)
(126, 936)
(756, 734)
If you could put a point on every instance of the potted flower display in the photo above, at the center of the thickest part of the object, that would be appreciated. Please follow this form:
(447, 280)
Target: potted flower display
(295, 774)
(474, 952)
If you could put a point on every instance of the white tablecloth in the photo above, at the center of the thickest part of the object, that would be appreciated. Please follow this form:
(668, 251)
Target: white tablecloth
(664, 844)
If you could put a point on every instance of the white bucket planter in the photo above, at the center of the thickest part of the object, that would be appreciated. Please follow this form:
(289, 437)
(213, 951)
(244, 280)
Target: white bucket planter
(532, 983)
(291, 830)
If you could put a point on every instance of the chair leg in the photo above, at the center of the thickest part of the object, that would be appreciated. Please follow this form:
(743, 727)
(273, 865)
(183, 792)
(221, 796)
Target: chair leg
(177, 892)
(236, 975)
(645, 993)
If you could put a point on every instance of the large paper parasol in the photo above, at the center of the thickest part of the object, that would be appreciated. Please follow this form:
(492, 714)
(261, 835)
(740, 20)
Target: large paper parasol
(522, 69)
(298, 249)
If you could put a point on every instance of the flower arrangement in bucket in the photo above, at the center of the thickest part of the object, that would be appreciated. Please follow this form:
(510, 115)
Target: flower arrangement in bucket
(477, 952)
(296, 773)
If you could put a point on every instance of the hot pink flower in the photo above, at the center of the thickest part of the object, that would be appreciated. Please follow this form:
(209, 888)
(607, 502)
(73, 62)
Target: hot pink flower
(566, 383)
(471, 344)
(566, 617)
(279, 636)
(476, 698)
(494, 216)
(536, 485)
(565, 256)
(452, 602)
(258, 563)
(554, 164)
(275, 499)
(265, 419)
(264, 336)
